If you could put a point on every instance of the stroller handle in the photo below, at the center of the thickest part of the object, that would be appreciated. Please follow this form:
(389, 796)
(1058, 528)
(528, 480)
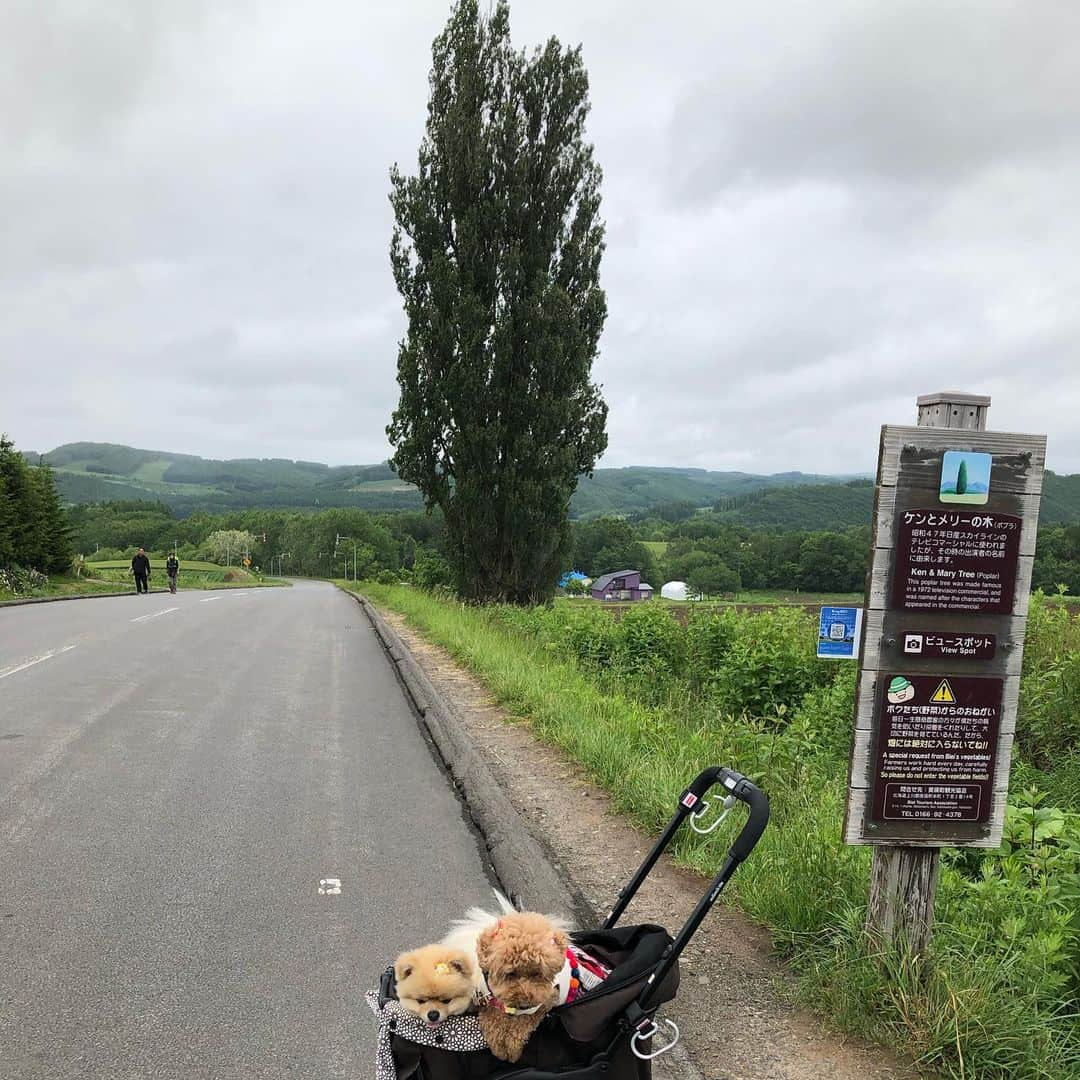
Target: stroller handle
(745, 791)
(692, 803)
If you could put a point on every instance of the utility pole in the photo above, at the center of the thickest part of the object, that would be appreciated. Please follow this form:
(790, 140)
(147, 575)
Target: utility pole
(337, 543)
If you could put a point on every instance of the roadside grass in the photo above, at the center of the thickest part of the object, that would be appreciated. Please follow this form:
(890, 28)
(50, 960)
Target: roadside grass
(115, 576)
(990, 1001)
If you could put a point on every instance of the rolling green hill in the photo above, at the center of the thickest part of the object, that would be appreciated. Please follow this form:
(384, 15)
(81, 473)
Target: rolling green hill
(105, 472)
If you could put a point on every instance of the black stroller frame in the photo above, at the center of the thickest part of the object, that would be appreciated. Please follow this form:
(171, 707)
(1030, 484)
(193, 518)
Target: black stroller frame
(607, 1033)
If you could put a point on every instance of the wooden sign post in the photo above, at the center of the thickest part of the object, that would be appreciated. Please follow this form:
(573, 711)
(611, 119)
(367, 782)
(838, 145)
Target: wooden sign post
(955, 515)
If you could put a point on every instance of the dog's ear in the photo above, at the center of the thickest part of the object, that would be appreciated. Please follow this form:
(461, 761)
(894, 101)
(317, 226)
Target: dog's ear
(403, 966)
(462, 965)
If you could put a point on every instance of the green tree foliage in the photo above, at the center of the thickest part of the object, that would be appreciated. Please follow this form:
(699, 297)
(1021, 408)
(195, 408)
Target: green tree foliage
(229, 545)
(962, 478)
(608, 544)
(33, 531)
(496, 253)
(713, 577)
(1057, 559)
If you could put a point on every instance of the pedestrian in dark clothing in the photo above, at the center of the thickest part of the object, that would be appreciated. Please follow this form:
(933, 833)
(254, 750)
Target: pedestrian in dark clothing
(140, 567)
(172, 568)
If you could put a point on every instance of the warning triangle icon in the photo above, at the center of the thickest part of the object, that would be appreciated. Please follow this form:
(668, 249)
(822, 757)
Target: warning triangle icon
(944, 695)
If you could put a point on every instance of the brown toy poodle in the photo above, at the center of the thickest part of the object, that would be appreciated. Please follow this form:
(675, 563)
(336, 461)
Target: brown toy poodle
(520, 957)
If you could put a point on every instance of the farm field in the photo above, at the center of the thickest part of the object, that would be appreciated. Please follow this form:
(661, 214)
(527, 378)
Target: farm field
(751, 601)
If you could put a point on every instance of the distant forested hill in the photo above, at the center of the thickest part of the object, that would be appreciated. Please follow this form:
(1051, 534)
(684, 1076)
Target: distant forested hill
(813, 506)
(637, 489)
(841, 505)
(104, 472)
(101, 472)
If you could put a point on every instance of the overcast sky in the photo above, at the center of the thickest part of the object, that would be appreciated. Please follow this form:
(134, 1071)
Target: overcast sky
(816, 212)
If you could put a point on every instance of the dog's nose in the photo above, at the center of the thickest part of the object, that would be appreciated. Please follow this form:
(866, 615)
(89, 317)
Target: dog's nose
(433, 1015)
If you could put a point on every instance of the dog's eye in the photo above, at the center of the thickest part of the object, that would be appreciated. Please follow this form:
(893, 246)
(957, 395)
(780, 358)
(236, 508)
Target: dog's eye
(446, 1001)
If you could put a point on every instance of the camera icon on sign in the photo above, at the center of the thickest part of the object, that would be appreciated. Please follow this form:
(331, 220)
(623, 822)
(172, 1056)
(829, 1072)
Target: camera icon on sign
(913, 643)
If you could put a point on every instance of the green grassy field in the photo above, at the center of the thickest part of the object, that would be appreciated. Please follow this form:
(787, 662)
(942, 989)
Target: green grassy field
(656, 547)
(152, 470)
(156, 563)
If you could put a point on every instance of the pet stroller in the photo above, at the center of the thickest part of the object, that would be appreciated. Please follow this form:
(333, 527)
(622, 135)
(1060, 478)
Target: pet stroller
(608, 1032)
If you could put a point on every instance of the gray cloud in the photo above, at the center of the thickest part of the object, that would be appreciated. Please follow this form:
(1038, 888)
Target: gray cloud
(815, 213)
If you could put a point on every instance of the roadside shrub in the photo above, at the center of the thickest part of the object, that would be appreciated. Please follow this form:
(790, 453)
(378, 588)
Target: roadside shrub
(768, 665)
(19, 581)
(649, 643)
(829, 713)
(708, 638)
(1048, 723)
(431, 571)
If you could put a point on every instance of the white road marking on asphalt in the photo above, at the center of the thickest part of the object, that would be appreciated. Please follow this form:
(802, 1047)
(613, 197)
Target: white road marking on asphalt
(209, 599)
(154, 614)
(329, 886)
(35, 660)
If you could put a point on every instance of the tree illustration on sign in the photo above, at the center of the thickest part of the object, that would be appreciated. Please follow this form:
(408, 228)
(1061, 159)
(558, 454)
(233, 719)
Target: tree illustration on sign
(961, 478)
(965, 477)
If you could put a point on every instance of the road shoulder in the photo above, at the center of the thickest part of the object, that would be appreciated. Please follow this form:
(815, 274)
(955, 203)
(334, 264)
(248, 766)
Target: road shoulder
(733, 1005)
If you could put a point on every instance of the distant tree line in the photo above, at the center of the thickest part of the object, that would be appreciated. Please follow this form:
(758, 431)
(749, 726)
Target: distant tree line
(713, 556)
(34, 532)
(307, 540)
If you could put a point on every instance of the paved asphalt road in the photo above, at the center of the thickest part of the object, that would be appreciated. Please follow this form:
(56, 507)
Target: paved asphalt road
(173, 787)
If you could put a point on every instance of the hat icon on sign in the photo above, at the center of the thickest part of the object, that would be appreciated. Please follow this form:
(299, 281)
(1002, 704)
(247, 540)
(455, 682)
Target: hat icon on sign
(900, 690)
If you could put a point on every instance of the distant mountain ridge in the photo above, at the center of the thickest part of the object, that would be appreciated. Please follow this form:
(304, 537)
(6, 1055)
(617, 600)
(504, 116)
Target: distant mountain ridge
(102, 472)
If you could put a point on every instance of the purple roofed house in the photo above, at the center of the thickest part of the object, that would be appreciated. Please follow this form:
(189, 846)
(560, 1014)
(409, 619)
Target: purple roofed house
(622, 585)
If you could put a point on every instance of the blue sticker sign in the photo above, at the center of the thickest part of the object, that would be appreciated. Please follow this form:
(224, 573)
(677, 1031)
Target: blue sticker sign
(839, 632)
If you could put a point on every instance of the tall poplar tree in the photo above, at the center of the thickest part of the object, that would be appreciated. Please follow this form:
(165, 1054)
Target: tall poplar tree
(496, 253)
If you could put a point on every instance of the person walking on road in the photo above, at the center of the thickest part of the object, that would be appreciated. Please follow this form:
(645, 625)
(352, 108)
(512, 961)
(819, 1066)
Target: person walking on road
(172, 568)
(140, 567)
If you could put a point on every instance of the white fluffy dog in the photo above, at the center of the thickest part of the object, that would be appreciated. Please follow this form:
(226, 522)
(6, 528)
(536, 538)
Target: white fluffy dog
(465, 933)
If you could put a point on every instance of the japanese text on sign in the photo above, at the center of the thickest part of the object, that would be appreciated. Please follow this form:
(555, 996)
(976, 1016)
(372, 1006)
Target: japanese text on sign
(936, 748)
(927, 643)
(956, 560)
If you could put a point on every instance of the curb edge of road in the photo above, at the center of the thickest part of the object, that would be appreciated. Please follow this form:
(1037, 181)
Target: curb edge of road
(105, 595)
(78, 596)
(524, 868)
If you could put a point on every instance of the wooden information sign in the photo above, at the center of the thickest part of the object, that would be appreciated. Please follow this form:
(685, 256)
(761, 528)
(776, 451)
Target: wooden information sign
(956, 512)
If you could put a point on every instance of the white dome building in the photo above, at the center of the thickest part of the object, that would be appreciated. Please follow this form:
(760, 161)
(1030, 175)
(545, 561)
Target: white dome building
(675, 590)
